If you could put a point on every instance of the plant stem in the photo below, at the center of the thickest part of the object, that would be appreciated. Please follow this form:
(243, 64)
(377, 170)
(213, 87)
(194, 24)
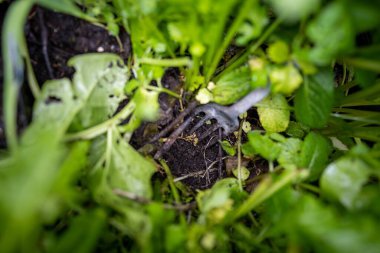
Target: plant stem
(103, 127)
(239, 155)
(171, 181)
(363, 64)
(265, 190)
(12, 47)
(173, 188)
(243, 12)
(176, 62)
(240, 58)
(162, 89)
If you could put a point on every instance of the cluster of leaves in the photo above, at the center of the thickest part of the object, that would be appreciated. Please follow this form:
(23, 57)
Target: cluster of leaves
(72, 181)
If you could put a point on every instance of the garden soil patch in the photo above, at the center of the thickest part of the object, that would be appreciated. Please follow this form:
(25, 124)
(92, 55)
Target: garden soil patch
(53, 38)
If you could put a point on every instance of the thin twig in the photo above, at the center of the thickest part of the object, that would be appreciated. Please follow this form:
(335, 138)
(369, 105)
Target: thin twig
(200, 173)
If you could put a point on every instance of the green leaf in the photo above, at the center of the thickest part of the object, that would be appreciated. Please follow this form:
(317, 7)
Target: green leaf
(69, 172)
(91, 97)
(65, 6)
(278, 51)
(343, 179)
(147, 105)
(232, 86)
(216, 202)
(264, 146)
(253, 26)
(289, 157)
(339, 231)
(314, 154)
(314, 100)
(26, 200)
(116, 165)
(244, 173)
(228, 148)
(54, 110)
(285, 79)
(274, 113)
(99, 85)
(296, 130)
(330, 42)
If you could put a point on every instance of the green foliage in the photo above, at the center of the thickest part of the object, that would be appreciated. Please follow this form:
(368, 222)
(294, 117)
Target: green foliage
(71, 181)
(278, 52)
(344, 179)
(314, 154)
(331, 42)
(314, 100)
(274, 113)
(232, 86)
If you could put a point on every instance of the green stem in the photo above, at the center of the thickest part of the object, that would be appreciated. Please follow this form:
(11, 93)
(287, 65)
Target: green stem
(241, 57)
(243, 12)
(265, 190)
(176, 62)
(162, 89)
(239, 156)
(103, 127)
(363, 64)
(13, 34)
(173, 188)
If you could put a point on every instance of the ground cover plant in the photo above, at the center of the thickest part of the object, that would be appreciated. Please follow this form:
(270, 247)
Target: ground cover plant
(90, 87)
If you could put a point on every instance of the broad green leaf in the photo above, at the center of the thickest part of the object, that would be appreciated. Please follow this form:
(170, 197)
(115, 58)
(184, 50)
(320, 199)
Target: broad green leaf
(99, 84)
(316, 222)
(278, 51)
(274, 113)
(330, 42)
(118, 166)
(54, 110)
(314, 154)
(264, 146)
(289, 156)
(343, 179)
(285, 79)
(232, 86)
(93, 95)
(314, 100)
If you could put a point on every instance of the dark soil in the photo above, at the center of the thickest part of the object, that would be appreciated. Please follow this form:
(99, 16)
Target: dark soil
(66, 36)
(54, 38)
